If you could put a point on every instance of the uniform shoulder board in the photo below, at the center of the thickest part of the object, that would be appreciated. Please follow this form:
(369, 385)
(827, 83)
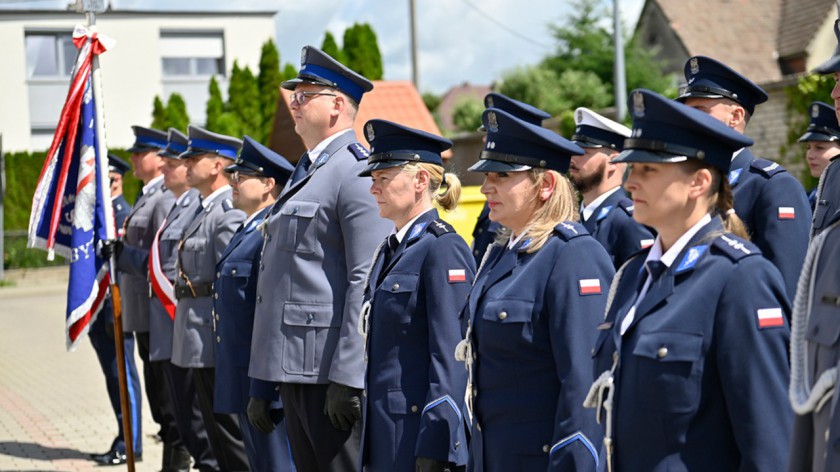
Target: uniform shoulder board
(734, 247)
(569, 230)
(767, 168)
(358, 151)
(186, 201)
(119, 206)
(627, 205)
(227, 204)
(440, 227)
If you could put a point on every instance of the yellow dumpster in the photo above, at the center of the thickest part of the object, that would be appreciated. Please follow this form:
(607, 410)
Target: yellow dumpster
(464, 216)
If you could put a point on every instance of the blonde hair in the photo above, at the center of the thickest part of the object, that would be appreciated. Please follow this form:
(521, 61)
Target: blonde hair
(562, 205)
(448, 199)
(722, 200)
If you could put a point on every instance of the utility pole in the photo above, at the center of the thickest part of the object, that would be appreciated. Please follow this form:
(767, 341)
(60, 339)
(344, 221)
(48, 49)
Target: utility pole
(620, 85)
(413, 27)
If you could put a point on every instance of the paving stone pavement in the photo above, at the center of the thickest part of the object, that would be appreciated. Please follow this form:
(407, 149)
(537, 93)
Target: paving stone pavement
(54, 409)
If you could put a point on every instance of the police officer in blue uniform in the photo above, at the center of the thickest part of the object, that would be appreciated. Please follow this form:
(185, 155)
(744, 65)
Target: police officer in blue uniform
(162, 274)
(605, 209)
(101, 335)
(200, 249)
(257, 178)
(822, 143)
(768, 199)
(692, 356)
(815, 346)
(413, 412)
(532, 312)
(318, 241)
(486, 229)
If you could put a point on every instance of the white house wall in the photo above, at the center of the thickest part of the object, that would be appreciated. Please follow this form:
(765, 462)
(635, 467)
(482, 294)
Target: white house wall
(131, 71)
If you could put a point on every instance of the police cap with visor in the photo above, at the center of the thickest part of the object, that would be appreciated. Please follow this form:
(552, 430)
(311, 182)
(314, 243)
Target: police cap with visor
(258, 160)
(206, 142)
(708, 78)
(832, 65)
(515, 145)
(823, 125)
(115, 164)
(668, 131)
(595, 131)
(521, 110)
(147, 139)
(177, 143)
(318, 68)
(392, 145)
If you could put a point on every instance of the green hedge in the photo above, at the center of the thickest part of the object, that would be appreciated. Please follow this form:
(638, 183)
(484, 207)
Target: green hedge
(22, 171)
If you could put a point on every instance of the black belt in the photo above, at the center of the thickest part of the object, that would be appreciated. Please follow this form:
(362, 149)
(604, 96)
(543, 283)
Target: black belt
(197, 291)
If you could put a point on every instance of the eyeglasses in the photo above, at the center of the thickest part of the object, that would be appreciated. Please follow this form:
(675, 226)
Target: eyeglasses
(237, 177)
(300, 97)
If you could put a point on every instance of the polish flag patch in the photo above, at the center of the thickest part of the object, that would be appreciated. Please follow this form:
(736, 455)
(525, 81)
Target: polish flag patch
(787, 213)
(770, 317)
(590, 286)
(646, 243)
(457, 275)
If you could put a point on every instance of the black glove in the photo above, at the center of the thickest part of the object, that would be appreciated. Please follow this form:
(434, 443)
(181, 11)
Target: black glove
(109, 328)
(424, 464)
(112, 246)
(343, 405)
(259, 415)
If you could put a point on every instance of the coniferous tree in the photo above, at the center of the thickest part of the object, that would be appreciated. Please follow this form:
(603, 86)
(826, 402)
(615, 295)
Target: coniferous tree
(330, 46)
(244, 102)
(362, 51)
(158, 114)
(268, 83)
(215, 106)
(176, 112)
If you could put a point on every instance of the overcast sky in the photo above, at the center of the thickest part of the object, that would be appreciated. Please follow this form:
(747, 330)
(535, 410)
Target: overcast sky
(458, 40)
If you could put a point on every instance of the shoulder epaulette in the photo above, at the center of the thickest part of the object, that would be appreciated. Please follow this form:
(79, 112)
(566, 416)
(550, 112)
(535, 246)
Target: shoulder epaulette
(734, 247)
(568, 230)
(627, 205)
(358, 151)
(767, 168)
(227, 205)
(440, 227)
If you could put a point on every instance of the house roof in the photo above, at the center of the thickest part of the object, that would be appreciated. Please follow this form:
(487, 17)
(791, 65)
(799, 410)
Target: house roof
(743, 38)
(453, 97)
(396, 101)
(798, 24)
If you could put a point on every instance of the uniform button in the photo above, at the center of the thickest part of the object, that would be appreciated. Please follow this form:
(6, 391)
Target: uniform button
(218, 339)
(262, 267)
(592, 351)
(546, 448)
(826, 434)
(480, 230)
(395, 287)
(503, 315)
(218, 274)
(475, 391)
(475, 251)
(662, 352)
(233, 272)
(414, 408)
(277, 388)
(457, 445)
(217, 317)
(216, 296)
(259, 298)
(310, 318)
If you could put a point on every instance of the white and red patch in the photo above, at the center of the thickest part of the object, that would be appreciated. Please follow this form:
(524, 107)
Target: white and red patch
(770, 317)
(457, 275)
(787, 213)
(646, 243)
(590, 286)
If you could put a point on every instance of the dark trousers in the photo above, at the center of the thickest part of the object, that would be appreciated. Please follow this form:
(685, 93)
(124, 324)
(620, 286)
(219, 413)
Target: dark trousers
(222, 429)
(316, 444)
(106, 353)
(188, 416)
(267, 452)
(159, 404)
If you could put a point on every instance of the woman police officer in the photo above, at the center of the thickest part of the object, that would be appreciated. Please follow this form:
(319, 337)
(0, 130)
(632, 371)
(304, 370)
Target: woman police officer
(693, 353)
(533, 310)
(419, 279)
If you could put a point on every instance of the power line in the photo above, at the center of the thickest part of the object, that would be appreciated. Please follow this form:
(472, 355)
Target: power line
(506, 27)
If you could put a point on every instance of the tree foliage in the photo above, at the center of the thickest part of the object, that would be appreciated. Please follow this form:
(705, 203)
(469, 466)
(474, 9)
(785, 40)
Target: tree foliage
(808, 89)
(158, 113)
(268, 83)
(466, 115)
(330, 46)
(172, 115)
(361, 51)
(215, 105)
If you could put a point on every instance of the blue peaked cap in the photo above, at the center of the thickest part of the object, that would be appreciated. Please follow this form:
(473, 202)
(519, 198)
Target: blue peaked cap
(521, 110)
(177, 143)
(823, 125)
(514, 144)
(256, 159)
(832, 65)
(708, 78)
(147, 139)
(115, 164)
(317, 67)
(392, 145)
(668, 131)
(208, 142)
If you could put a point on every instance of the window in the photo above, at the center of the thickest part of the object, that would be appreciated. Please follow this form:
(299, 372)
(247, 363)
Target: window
(192, 54)
(49, 54)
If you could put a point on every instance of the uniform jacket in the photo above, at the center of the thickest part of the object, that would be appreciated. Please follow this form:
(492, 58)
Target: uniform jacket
(532, 324)
(816, 435)
(106, 314)
(700, 384)
(827, 202)
(414, 404)
(236, 284)
(204, 241)
(319, 241)
(141, 225)
(160, 324)
(484, 234)
(764, 194)
(612, 224)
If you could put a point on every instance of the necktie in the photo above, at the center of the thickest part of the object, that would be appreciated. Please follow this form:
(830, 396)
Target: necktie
(655, 269)
(302, 168)
(392, 247)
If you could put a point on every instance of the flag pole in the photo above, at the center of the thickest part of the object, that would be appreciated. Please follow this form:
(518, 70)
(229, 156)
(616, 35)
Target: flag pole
(91, 8)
